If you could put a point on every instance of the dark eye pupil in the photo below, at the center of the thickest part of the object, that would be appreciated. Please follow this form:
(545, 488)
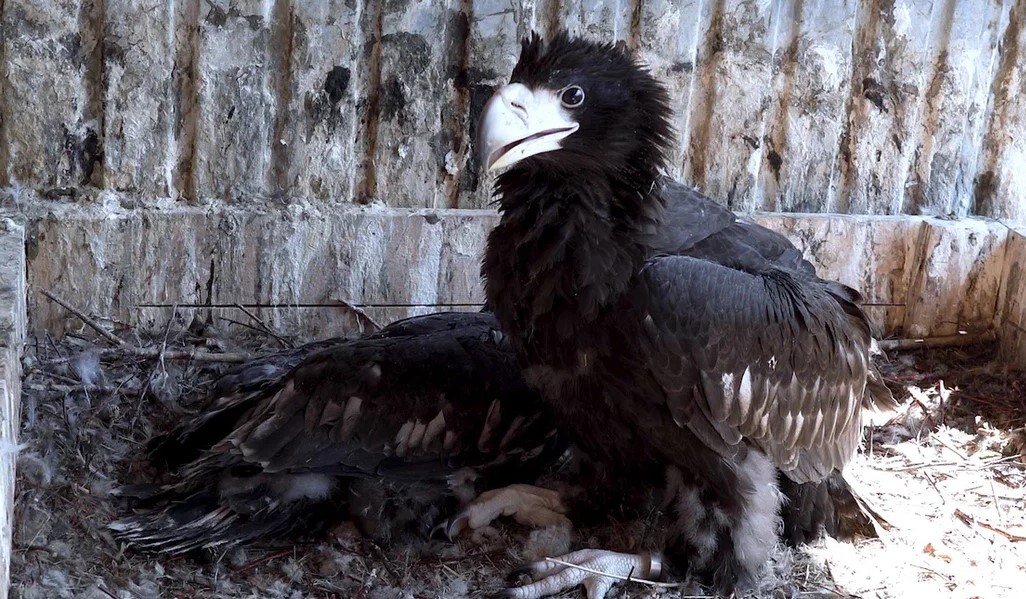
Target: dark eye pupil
(573, 96)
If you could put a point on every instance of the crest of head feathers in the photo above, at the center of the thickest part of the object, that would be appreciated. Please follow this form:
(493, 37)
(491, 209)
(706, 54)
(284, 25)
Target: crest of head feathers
(625, 121)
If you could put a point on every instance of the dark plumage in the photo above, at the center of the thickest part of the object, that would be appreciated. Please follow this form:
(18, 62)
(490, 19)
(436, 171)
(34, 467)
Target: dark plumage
(394, 429)
(675, 342)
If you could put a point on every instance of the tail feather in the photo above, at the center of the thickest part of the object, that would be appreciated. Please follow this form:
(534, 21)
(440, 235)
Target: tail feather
(194, 523)
(830, 506)
(201, 522)
(878, 394)
(139, 492)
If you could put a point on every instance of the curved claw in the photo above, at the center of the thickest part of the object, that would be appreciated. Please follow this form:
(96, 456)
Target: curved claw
(452, 527)
(529, 505)
(457, 524)
(521, 575)
(437, 528)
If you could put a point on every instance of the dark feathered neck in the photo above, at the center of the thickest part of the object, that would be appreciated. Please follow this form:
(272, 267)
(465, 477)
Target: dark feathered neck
(626, 202)
(566, 249)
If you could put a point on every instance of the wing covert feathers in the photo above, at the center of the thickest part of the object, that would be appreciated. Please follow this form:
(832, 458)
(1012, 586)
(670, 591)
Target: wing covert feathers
(282, 438)
(780, 358)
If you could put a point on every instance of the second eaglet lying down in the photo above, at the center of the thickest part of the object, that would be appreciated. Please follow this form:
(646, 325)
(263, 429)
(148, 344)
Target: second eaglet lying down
(677, 345)
(395, 430)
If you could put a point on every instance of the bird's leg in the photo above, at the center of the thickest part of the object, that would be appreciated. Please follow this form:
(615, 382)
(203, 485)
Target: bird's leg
(527, 504)
(594, 569)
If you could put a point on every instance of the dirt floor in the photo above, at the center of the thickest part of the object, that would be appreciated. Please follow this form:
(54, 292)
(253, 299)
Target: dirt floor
(947, 474)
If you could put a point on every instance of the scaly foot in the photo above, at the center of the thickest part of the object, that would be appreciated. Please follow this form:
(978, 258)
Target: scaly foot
(595, 569)
(527, 504)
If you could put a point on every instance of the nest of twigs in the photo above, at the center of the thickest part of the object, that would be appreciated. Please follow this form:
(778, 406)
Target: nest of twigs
(946, 473)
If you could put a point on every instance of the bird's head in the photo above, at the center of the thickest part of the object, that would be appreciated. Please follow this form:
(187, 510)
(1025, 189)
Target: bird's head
(578, 106)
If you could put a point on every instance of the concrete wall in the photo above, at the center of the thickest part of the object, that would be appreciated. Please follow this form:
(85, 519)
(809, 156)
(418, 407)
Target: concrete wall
(12, 335)
(1013, 300)
(857, 106)
(921, 276)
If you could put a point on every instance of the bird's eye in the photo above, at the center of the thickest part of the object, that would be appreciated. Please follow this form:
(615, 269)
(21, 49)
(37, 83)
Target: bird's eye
(572, 97)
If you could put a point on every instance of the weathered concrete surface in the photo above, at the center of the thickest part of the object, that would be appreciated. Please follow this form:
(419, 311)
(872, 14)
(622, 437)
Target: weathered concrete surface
(734, 72)
(670, 38)
(1001, 180)
(956, 277)
(140, 136)
(875, 255)
(947, 150)
(111, 261)
(1012, 318)
(810, 92)
(417, 130)
(888, 82)
(12, 335)
(50, 131)
(922, 277)
(316, 132)
(857, 106)
(236, 99)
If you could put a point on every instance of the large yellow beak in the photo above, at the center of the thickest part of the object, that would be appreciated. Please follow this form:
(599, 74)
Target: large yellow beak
(517, 123)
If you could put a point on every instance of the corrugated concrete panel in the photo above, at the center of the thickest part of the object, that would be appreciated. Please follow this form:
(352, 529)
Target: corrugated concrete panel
(735, 72)
(238, 95)
(602, 19)
(50, 125)
(811, 91)
(948, 149)
(962, 262)
(920, 276)
(315, 132)
(889, 76)
(1001, 174)
(139, 125)
(12, 335)
(1012, 317)
(851, 106)
(416, 131)
(669, 37)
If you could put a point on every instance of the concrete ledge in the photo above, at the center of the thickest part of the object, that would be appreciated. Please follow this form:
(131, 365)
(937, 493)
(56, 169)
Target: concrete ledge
(874, 254)
(921, 276)
(956, 277)
(12, 336)
(133, 265)
(1012, 328)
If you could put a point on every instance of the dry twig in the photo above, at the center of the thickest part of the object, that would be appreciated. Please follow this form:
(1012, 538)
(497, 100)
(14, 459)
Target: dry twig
(124, 349)
(949, 446)
(89, 321)
(936, 342)
(174, 354)
(971, 521)
(362, 318)
(265, 327)
(263, 560)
